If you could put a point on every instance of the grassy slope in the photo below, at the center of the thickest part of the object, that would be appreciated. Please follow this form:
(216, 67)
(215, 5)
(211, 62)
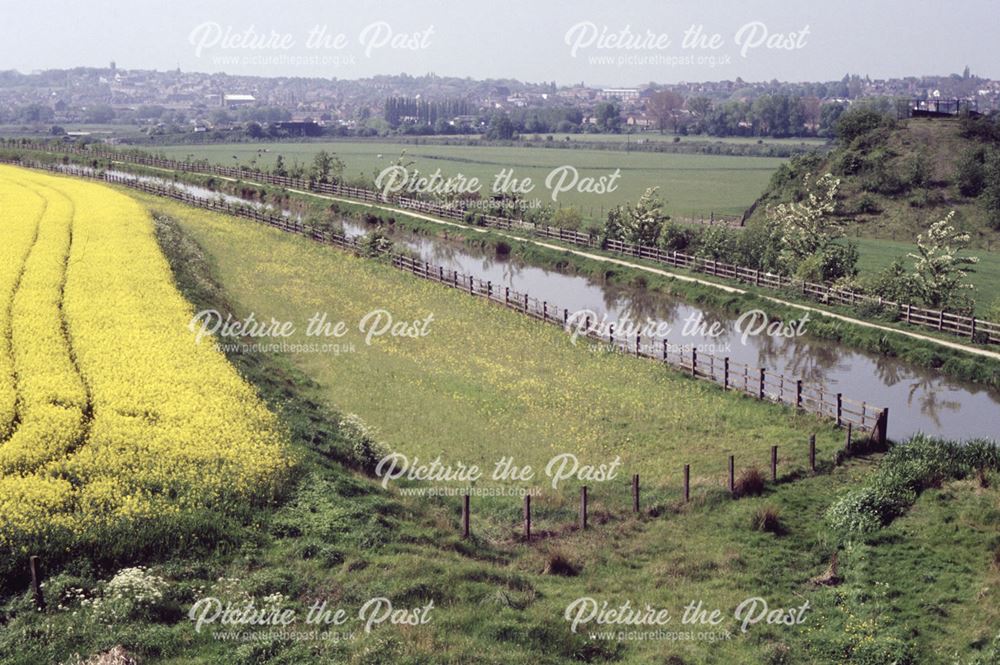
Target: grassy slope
(486, 377)
(339, 537)
(691, 184)
(940, 141)
(891, 232)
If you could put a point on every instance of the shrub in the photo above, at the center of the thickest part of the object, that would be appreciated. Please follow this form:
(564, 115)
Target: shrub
(132, 593)
(867, 204)
(905, 471)
(767, 518)
(678, 239)
(749, 483)
(559, 564)
(970, 175)
(366, 451)
(858, 122)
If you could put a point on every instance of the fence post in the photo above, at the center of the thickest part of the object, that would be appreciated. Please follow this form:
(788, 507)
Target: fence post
(840, 408)
(732, 474)
(883, 427)
(545, 310)
(635, 493)
(760, 386)
(812, 452)
(454, 278)
(583, 507)
(36, 582)
(972, 333)
(565, 316)
(725, 373)
(687, 483)
(506, 295)
(638, 343)
(664, 350)
(908, 308)
(525, 303)
(798, 394)
(847, 439)
(611, 333)
(465, 516)
(941, 320)
(694, 361)
(774, 464)
(527, 516)
(489, 290)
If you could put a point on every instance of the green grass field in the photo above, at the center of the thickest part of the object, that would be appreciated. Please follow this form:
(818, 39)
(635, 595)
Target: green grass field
(669, 138)
(876, 254)
(691, 185)
(484, 383)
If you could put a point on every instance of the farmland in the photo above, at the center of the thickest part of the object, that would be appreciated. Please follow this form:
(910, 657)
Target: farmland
(117, 417)
(691, 185)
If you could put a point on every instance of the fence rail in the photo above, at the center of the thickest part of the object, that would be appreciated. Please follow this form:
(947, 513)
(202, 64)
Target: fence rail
(756, 382)
(977, 330)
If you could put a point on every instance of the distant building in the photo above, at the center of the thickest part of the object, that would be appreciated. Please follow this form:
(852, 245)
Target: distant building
(620, 94)
(235, 101)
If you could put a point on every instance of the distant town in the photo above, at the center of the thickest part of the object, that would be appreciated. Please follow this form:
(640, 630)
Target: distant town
(145, 104)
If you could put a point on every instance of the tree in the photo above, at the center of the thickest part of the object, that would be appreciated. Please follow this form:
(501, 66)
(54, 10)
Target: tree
(664, 106)
(279, 166)
(608, 117)
(970, 173)
(101, 114)
(699, 106)
(255, 131)
(940, 272)
(327, 167)
(640, 224)
(501, 128)
(806, 226)
(808, 233)
(567, 218)
(647, 218)
(990, 197)
(856, 122)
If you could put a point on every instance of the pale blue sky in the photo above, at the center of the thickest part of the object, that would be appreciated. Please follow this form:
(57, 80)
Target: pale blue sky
(525, 39)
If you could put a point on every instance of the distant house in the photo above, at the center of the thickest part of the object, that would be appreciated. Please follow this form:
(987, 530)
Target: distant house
(640, 122)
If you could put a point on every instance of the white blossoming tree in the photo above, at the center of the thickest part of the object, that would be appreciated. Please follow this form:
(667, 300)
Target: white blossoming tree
(809, 233)
(939, 270)
(640, 224)
(806, 226)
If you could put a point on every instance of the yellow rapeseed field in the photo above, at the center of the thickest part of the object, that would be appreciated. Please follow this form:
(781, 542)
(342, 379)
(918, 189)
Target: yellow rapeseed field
(111, 413)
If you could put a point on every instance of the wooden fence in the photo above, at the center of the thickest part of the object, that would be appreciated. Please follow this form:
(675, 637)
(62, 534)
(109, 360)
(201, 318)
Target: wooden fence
(731, 485)
(755, 382)
(975, 329)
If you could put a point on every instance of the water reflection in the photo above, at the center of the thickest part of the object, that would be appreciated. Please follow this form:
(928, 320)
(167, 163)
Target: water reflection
(918, 399)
